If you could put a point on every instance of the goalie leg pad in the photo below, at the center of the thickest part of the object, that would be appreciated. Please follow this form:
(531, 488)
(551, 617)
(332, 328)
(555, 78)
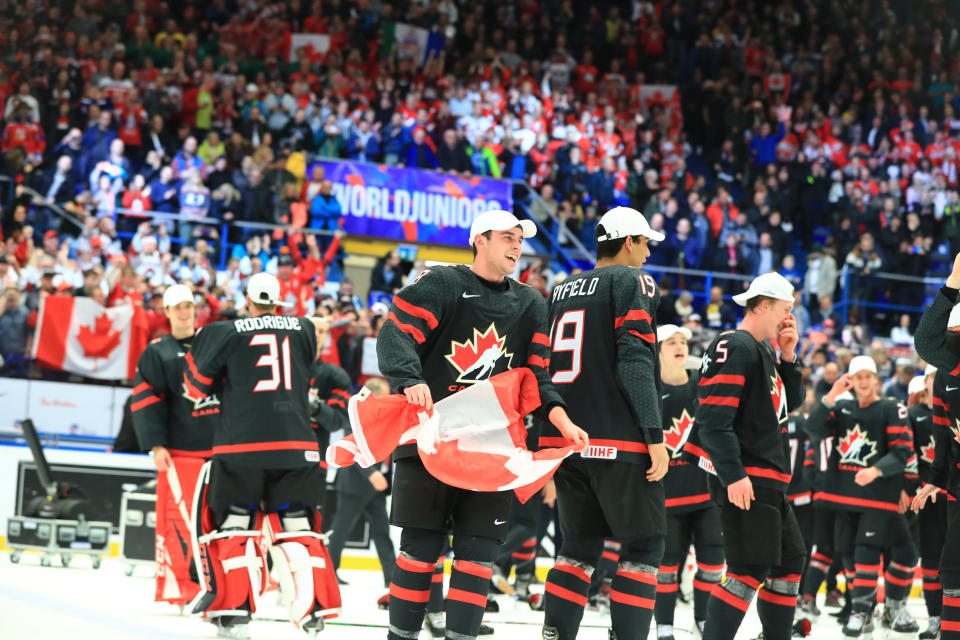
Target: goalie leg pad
(304, 570)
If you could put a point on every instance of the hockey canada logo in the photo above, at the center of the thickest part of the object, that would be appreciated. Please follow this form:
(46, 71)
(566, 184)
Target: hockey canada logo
(779, 398)
(956, 429)
(481, 357)
(926, 452)
(856, 447)
(202, 404)
(676, 436)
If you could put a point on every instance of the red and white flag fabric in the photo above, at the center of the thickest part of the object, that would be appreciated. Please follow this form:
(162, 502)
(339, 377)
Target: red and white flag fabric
(81, 336)
(473, 439)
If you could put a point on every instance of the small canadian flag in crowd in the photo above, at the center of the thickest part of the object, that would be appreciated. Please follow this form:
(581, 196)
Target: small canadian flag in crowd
(83, 337)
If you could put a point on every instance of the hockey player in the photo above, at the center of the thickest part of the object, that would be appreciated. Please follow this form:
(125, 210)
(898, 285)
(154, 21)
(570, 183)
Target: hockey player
(932, 525)
(745, 397)
(692, 516)
(178, 432)
(872, 443)
(604, 364)
(441, 334)
(265, 466)
(937, 342)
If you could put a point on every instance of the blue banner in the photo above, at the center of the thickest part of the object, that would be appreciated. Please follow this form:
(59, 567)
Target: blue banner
(412, 205)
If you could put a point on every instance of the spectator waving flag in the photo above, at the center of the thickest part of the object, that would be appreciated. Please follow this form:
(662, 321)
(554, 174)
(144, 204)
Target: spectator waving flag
(314, 45)
(413, 43)
(83, 337)
(474, 439)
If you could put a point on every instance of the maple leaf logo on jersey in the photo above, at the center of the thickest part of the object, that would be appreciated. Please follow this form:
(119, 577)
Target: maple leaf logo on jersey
(97, 341)
(481, 357)
(779, 398)
(204, 402)
(926, 452)
(956, 429)
(675, 437)
(856, 447)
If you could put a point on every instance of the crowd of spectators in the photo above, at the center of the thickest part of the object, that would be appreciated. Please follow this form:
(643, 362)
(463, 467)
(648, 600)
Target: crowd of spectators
(816, 138)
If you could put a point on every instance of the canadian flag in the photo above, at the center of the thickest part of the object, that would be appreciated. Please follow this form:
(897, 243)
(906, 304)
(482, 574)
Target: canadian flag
(473, 439)
(81, 336)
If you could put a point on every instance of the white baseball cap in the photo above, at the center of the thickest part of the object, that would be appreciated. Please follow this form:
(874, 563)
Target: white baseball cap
(929, 370)
(667, 331)
(500, 220)
(772, 285)
(175, 294)
(621, 222)
(916, 385)
(264, 288)
(954, 319)
(862, 363)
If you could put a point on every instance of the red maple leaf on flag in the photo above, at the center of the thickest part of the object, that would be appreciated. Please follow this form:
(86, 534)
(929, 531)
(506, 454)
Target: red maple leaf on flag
(675, 437)
(98, 341)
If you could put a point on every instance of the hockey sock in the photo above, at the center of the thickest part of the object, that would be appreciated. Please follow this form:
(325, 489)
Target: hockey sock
(525, 558)
(705, 580)
(898, 580)
(932, 593)
(565, 596)
(668, 584)
(606, 565)
(776, 603)
(467, 598)
(950, 619)
(727, 605)
(817, 570)
(868, 566)
(409, 594)
(632, 596)
(435, 604)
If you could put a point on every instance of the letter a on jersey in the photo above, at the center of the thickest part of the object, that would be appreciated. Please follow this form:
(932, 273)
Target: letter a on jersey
(856, 447)
(480, 357)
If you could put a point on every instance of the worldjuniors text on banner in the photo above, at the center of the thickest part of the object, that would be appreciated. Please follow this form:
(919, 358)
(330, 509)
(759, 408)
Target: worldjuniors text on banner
(410, 204)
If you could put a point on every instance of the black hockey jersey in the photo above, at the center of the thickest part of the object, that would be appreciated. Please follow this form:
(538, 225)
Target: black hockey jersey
(261, 367)
(685, 485)
(163, 412)
(329, 393)
(604, 362)
(450, 328)
(799, 448)
(924, 445)
(877, 435)
(944, 471)
(745, 398)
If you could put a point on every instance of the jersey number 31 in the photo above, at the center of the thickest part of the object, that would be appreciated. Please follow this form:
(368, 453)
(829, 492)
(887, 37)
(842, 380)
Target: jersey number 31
(272, 359)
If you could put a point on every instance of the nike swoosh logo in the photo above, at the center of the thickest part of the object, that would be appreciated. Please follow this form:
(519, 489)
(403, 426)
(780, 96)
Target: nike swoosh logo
(499, 522)
(922, 419)
(665, 396)
(870, 534)
(952, 388)
(846, 412)
(471, 295)
(180, 354)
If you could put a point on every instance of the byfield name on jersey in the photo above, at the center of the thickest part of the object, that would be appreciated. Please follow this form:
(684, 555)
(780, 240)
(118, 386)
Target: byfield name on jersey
(286, 323)
(575, 287)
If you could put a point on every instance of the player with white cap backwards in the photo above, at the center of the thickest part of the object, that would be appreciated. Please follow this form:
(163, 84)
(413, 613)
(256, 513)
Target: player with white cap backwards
(178, 433)
(745, 397)
(450, 328)
(872, 444)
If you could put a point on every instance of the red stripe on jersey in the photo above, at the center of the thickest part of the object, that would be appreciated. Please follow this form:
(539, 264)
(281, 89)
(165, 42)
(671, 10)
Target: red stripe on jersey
(949, 625)
(476, 599)
(900, 443)
(336, 402)
(297, 445)
(673, 587)
(146, 402)
(941, 403)
(406, 328)
(631, 601)
(856, 502)
(703, 586)
(956, 372)
(634, 314)
(952, 601)
(437, 577)
(565, 594)
(784, 601)
(416, 566)
(409, 594)
(669, 568)
(896, 429)
(196, 374)
(473, 569)
(679, 502)
(773, 474)
(932, 586)
(898, 581)
(721, 401)
(943, 421)
(695, 450)
(572, 570)
(143, 386)
(184, 453)
(646, 337)
(524, 556)
(537, 361)
(416, 312)
(621, 445)
(724, 378)
(709, 567)
(341, 392)
(611, 555)
(540, 338)
(729, 598)
(930, 573)
(821, 558)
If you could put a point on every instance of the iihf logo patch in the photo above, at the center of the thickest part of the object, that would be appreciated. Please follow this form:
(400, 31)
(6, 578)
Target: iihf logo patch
(482, 356)
(856, 447)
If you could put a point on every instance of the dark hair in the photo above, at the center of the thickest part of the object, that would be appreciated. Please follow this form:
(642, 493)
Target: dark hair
(265, 308)
(754, 303)
(485, 234)
(610, 248)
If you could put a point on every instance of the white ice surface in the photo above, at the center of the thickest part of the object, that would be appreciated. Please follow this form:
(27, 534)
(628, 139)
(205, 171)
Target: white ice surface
(80, 603)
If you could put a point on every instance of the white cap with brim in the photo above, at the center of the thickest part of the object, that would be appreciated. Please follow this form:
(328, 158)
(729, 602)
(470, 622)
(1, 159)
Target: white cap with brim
(930, 370)
(175, 294)
(916, 385)
(499, 220)
(621, 222)
(954, 319)
(771, 285)
(862, 363)
(264, 288)
(667, 331)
